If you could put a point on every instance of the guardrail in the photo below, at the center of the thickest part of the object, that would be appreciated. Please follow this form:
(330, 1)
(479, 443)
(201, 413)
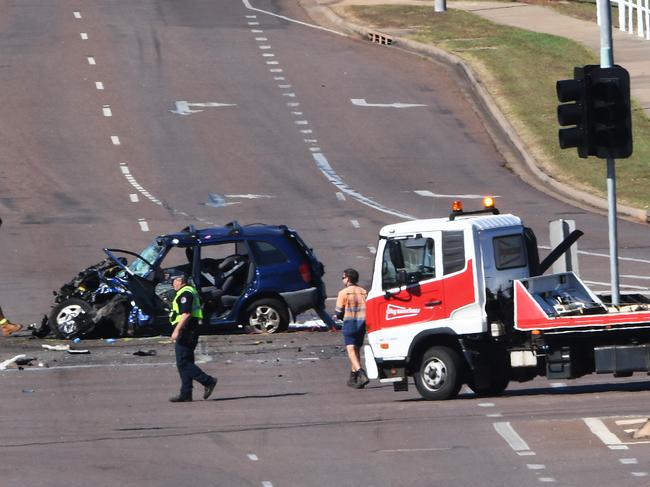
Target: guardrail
(632, 13)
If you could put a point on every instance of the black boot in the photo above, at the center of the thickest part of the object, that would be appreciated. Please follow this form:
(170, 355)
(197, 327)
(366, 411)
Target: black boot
(352, 381)
(362, 379)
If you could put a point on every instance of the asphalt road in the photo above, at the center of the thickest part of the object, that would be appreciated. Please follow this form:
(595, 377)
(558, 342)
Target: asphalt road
(99, 150)
(282, 415)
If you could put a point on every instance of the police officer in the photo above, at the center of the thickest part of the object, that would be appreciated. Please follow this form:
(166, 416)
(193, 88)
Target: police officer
(184, 317)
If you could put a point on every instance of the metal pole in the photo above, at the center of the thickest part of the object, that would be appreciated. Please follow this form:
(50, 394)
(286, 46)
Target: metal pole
(607, 61)
(440, 6)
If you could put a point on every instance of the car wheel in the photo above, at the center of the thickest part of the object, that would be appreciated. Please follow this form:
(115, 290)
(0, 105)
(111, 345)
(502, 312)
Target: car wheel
(71, 318)
(266, 316)
(439, 375)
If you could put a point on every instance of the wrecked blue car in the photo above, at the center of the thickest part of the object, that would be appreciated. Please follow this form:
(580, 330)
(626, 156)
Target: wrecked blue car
(257, 277)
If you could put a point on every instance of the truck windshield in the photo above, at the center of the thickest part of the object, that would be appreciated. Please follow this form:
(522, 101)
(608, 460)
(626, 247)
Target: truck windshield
(150, 254)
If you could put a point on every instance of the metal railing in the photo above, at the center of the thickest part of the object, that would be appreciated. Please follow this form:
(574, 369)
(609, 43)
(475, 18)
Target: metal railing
(632, 13)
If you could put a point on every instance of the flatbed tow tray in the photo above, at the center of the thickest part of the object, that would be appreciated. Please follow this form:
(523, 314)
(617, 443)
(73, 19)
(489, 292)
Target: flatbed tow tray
(563, 301)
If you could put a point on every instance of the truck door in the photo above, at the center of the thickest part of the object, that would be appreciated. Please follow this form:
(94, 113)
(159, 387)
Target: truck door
(413, 293)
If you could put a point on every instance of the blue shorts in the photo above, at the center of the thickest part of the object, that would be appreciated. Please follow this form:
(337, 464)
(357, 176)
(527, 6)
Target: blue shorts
(354, 332)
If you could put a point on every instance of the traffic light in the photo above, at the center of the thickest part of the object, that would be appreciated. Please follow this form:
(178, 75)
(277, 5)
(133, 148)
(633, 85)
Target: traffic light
(574, 113)
(599, 111)
(611, 114)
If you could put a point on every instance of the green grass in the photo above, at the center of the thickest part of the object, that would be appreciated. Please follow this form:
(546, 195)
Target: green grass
(520, 69)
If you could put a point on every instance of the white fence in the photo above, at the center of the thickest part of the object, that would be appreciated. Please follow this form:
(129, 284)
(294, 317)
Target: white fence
(631, 13)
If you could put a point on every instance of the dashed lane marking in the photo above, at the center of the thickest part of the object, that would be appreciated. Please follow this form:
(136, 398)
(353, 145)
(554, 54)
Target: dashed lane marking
(106, 110)
(513, 439)
(77, 15)
(599, 429)
(144, 226)
(99, 85)
(252, 457)
(134, 198)
(115, 140)
(84, 36)
(91, 61)
(355, 223)
(248, 5)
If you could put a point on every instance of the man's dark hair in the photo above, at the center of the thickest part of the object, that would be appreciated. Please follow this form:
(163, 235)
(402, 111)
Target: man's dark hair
(351, 274)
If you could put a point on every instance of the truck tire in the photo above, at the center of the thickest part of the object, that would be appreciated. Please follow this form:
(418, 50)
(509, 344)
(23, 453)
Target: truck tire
(71, 318)
(439, 375)
(266, 316)
(498, 383)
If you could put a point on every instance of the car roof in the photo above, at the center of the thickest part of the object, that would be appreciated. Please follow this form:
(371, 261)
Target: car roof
(230, 231)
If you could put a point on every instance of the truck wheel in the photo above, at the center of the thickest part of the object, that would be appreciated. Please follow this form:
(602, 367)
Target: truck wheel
(266, 316)
(498, 383)
(439, 376)
(71, 318)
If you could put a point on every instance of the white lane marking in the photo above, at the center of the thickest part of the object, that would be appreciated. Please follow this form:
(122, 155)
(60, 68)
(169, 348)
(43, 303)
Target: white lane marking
(275, 70)
(77, 15)
(323, 164)
(143, 224)
(124, 168)
(628, 461)
(253, 23)
(515, 441)
(599, 429)
(129, 177)
(314, 149)
(301, 122)
(257, 31)
(631, 276)
(266, 483)
(251, 16)
(598, 254)
(340, 196)
(310, 141)
(183, 107)
(248, 5)
(115, 140)
(372, 249)
(624, 422)
(607, 284)
(494, 415)
(261, 39)
(252, 457)
(297, 114)
(279, 78)
(268, 54)
(361, 102)
(84, 36)
(557, 385)
(266, 46)
(547, 479)
(99, 85)
(134, 198)
(106, 110)
(250, 196)
(424, 192)
(411, 450)
(306, 131)
(485, 404)
(272, 63)
(355, 223)
(639, 474)
(535, 466)
(91, 61)
(284, 87)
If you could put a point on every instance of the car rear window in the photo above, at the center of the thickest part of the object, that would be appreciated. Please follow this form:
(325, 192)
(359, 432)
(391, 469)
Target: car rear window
(266, 253)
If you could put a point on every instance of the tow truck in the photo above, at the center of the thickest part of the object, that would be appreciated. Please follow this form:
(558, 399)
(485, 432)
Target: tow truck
(465, 300)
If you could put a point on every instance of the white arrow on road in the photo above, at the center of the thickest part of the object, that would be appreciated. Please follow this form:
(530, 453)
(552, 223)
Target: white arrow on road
(183, 107)
(361, 102)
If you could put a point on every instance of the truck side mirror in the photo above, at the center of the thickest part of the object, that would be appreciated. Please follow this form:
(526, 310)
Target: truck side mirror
(402, 277)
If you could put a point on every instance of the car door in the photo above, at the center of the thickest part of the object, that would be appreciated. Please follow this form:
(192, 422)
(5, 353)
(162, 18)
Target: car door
(413, 288)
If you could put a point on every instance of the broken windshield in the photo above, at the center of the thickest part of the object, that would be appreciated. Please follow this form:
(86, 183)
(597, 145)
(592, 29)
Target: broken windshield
(142, 267)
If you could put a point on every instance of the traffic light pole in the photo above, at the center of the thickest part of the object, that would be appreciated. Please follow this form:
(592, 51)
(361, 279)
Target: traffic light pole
(607, 61)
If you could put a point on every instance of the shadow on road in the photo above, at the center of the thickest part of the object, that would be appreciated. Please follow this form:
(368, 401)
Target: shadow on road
(254, 396)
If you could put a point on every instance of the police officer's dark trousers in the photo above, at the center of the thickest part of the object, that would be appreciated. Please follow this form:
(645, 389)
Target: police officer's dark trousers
(187, 369)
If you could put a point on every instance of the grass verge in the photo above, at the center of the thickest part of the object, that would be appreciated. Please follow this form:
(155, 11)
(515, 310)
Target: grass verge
(519, 69)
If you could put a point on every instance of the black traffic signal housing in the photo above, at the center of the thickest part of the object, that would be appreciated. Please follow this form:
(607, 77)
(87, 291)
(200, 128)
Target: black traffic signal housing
(610, 113)
(599, 110)
(574, 113)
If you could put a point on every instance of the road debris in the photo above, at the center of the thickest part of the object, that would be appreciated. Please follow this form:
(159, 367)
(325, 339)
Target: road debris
(148, 353)
(79, 351)
(11, 361)
(58, 348)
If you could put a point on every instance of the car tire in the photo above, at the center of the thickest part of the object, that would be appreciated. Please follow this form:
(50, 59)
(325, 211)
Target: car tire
(266, 316)
(439, 375)
(71, 318)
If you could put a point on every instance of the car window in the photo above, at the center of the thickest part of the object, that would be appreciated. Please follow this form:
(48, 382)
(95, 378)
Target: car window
(150, 254)
(419, 259)
(178, 258)
(266, 253)
(509, 252)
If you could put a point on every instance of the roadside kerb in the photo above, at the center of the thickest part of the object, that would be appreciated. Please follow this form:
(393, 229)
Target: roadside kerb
(530, 170)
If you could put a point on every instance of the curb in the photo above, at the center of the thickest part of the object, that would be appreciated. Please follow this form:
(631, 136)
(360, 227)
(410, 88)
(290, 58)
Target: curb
(522, 162)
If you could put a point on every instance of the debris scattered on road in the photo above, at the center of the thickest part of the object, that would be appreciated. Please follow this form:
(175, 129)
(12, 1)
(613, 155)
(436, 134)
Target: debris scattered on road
(79, 351)
(28, 391)
(11, 361)
(58, 348)
(148, 353)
